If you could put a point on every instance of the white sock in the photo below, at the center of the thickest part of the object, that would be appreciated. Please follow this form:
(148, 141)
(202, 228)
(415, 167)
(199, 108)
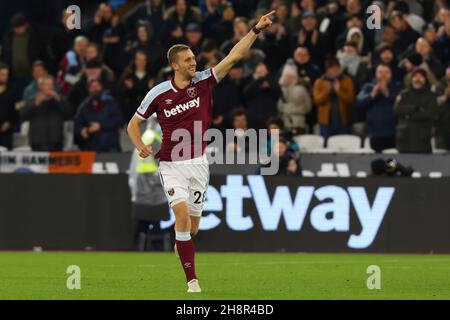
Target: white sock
(182, 236)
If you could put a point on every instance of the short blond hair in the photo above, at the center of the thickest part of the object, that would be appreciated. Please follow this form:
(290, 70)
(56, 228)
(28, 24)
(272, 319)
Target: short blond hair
(173, 51)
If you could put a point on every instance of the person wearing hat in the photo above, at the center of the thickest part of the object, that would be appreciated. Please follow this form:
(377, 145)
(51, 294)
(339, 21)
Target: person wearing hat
(93, 70)
(20, 47)
(98, 120)
(310, 37)
(194, 36)
(416, 109)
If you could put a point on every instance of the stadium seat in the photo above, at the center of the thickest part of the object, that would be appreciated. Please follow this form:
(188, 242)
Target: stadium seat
(390, 151)
(125, 143)
(69, 131)
(437, 150)
(20, 139)
(22, 149)
(344, 142)
(309, 142)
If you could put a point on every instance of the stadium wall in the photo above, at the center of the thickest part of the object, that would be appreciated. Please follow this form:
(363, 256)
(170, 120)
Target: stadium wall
(242, 213)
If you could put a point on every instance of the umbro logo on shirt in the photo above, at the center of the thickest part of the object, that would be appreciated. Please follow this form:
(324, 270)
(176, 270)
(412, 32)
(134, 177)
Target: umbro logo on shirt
(194, 103)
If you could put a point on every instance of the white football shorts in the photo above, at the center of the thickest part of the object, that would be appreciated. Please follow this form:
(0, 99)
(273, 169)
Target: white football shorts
(186, 180)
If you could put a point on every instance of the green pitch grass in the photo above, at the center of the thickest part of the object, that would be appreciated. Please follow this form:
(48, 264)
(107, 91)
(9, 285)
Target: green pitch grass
(28, 275)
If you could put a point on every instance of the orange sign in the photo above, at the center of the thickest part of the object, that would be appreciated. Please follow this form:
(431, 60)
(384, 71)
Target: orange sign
(71, 162)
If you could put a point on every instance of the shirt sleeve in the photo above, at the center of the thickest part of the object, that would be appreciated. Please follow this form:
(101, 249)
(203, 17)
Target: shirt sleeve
(148, 106)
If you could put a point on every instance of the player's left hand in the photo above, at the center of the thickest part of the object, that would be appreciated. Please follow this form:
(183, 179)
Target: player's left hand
(265, 21)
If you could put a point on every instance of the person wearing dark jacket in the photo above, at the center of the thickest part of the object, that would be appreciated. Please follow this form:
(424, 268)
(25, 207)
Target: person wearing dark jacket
(261, 96)
(442, 124)
(93, 70)
(46, 113)
(416, 108)
(289, 164)
(377, 100)
(135, 83)
(8, 115)
(98, 121)
(21, 46)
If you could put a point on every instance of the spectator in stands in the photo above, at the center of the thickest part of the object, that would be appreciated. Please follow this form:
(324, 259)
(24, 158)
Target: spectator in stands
(194, 36)
(442, 125)
(72, 64)
(413, 18)
(384, 55)
(211, 15)
(240, 29)
(416, 109)
(240, 126)
(8, 115)
(135, 83)
(93, 70)
(276, 40)
(353, 32)
(405, 34)
(102, 21)
(261, 96)
(430, 63)
(224, 30)
(98, 120)
(146, 41)
(227, 96)
(333, 94)
(289, 164)
(209, 56)
(275, 124)
(61, 40)
(149, 12)
(93, 53)
(295, 101)
(177, 18)
(443, 40)
(21, 46)
(377, 100)
(112, 42)
(308, 72)
(46, 114)
(309, 36)
(39, 71)
(353, 64)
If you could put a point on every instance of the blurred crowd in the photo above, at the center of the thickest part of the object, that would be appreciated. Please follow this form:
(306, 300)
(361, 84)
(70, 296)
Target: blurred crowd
(324, 67)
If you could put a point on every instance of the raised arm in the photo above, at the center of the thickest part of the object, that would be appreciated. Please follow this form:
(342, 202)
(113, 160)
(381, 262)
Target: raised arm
(238, 51)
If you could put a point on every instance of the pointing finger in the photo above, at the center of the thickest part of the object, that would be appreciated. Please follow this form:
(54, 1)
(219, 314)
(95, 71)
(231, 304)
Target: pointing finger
(269, 14)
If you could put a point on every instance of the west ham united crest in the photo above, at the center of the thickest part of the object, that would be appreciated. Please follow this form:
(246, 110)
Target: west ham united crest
(171, 191)
(192, 92)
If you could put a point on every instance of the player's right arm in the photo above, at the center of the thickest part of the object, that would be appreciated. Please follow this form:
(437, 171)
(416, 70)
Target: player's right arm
(239, 50)
(134, 132)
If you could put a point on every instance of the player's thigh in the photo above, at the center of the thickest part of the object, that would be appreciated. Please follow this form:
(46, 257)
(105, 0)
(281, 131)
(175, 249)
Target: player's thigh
(199, 180)
(175, 183)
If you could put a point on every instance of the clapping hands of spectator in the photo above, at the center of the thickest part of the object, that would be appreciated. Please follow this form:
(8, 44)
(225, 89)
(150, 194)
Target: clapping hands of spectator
(94, 127)
(85, 133)
(260, 71)
(5, 126)
(336, 85)
(295, 10)
(292, 166)
(128, 83)
(177, 33)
